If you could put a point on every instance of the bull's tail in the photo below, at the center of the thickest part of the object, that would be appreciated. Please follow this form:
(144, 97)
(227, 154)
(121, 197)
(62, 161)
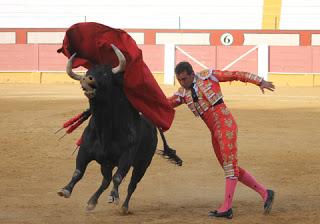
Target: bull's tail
(168, 152)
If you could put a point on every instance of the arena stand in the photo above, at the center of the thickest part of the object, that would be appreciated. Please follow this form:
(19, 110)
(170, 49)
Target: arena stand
(280, 40)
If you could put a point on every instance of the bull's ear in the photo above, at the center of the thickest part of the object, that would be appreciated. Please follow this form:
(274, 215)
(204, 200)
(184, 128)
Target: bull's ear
(107, 70)
(118, 79)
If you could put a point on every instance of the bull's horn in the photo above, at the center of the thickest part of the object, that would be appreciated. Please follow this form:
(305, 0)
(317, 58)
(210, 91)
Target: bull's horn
(69, 69)
(122, 60)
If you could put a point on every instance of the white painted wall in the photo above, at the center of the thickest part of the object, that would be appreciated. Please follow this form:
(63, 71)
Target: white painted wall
(140, 21)
(38, 21)
(300, 15)
(223, 21)
(161, 14)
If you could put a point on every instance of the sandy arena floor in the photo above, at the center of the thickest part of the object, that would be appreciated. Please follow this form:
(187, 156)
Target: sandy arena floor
(279, 140)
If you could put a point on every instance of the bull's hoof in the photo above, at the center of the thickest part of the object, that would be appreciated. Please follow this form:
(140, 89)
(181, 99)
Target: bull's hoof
(64, 193)
(91, 206)
(124, 210)
(112, 199)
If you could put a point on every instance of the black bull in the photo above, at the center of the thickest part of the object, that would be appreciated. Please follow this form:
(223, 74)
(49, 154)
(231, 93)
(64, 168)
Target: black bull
(116, 136)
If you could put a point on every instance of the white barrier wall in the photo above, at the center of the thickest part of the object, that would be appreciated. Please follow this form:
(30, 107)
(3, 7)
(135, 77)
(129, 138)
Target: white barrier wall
(169, 64)
(45, 37)
(7, 37)
(315, 39)
(272, 39)
(183, 38)
(138, 37)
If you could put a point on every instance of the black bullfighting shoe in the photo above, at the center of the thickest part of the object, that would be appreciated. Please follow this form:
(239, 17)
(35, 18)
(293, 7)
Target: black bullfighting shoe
(268, 203)
(227, 214)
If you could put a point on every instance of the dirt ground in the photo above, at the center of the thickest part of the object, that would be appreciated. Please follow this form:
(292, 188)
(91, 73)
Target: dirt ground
(278, 142)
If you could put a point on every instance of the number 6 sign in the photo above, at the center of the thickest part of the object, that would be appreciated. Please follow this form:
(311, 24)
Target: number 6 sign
(226, 39)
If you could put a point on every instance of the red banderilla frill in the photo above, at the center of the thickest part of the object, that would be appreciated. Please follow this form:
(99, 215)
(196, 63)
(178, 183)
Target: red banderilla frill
(75, 122)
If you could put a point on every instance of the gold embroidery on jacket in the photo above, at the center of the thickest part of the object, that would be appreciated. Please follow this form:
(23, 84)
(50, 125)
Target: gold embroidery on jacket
(206, 97)
(204, 74)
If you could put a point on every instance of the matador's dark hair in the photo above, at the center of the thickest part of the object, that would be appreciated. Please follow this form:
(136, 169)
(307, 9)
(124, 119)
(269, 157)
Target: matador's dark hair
(184, 66)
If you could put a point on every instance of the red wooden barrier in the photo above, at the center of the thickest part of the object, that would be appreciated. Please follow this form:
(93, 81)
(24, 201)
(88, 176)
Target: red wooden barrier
(294, 59)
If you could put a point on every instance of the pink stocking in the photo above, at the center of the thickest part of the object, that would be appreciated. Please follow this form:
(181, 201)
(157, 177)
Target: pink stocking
(231, 184)
(247, 179)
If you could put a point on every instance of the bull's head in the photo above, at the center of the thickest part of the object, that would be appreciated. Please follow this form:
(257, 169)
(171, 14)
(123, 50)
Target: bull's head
(90, 81)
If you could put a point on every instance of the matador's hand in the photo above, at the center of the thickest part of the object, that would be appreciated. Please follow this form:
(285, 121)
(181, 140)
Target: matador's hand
(266, 85)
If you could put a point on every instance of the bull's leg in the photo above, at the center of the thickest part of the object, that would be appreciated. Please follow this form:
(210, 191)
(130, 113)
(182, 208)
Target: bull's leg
(137, 174)
(106, 171)
(123, 168)
(81, 165)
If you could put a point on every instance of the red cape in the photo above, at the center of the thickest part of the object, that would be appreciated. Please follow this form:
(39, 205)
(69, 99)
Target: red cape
(91, 41)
